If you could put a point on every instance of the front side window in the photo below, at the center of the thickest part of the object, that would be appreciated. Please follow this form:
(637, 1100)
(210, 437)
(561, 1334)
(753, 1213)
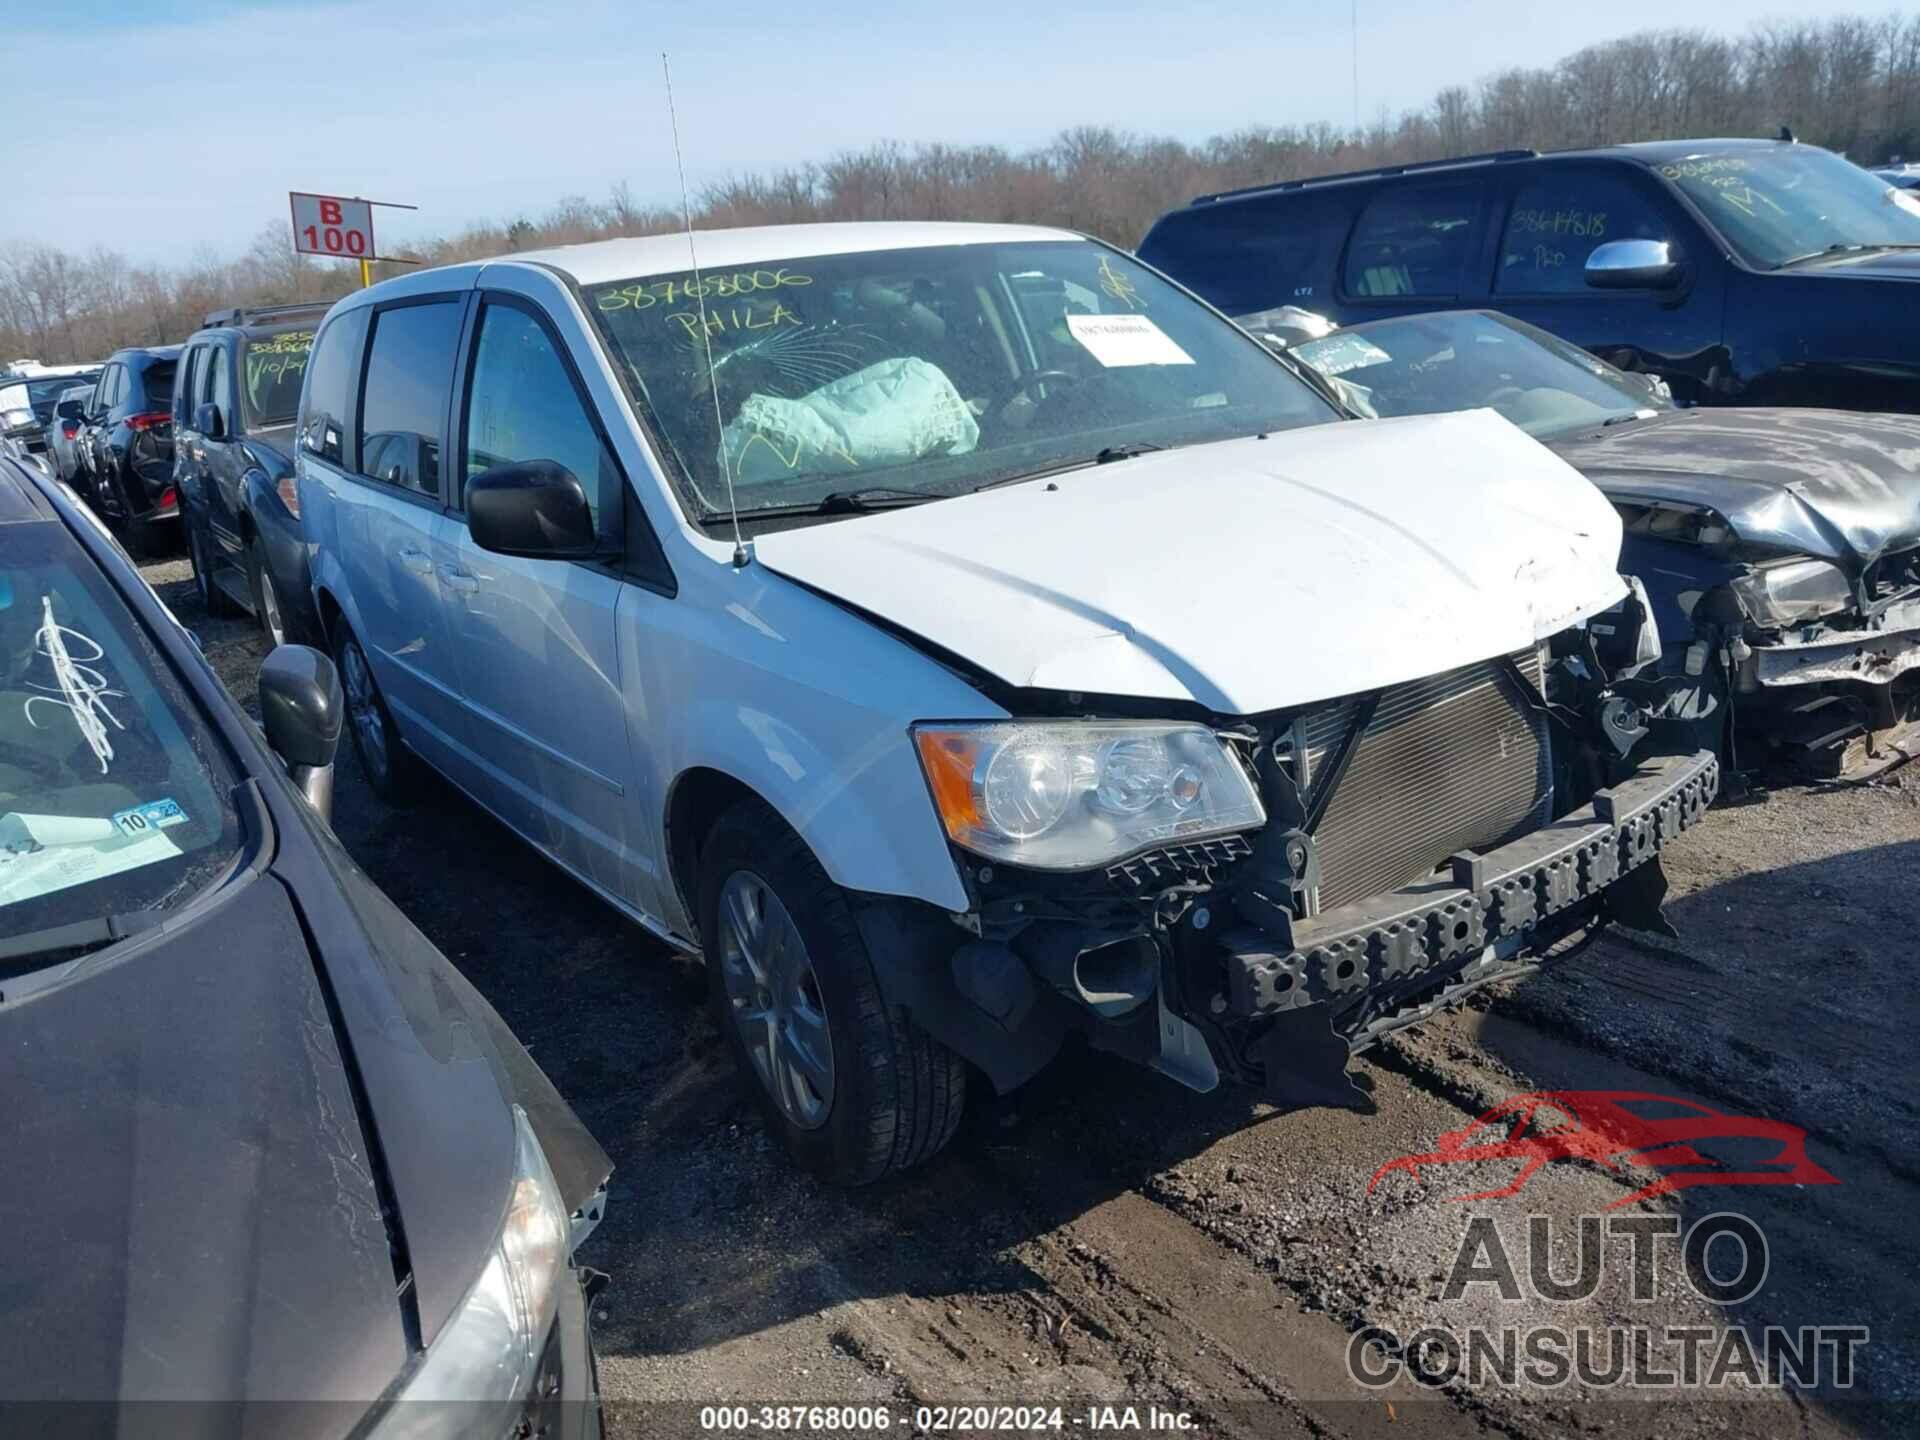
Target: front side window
(403, 401)
(273, 367)
(219, 378)
(1790, 203)
(324, 401)
(1414, 241)
(929, 372)
(114, 795)
(185, 379)
(1433, 364)
(523, 406)
(1558, 221)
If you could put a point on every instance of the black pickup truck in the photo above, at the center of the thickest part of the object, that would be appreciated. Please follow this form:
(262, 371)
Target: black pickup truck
(234, 401)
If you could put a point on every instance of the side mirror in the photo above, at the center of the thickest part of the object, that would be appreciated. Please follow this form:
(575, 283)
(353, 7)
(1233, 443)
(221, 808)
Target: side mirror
(1632, 265)
(206, 419)
(301, 710)
(535, 509)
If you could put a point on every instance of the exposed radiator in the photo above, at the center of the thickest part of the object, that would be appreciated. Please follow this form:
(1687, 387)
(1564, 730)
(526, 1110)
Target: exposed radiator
(1456, 761)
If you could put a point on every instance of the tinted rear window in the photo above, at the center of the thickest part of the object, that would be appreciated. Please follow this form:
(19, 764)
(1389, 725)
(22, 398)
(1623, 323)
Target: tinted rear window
(1252, 254)
(159, 382)
(1414, 241)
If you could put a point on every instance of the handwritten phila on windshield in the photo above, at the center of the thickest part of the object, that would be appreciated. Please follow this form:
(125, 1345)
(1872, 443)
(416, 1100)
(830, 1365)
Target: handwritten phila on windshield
(758, 288)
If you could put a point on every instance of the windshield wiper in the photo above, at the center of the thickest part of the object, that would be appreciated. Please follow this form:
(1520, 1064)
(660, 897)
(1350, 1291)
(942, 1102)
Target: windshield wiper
(1106, 455)
(837, 502)
(1125, 452)
(78, 937)
(1630, 415)
(1833, 250)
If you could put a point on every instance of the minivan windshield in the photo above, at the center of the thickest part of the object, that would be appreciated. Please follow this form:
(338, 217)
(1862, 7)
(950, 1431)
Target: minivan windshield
(923, 373)
(1465, 359)
(114, 796)
(1790, 203)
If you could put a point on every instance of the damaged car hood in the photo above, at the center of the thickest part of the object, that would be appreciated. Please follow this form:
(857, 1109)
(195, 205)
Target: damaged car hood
(1834, 484)
(1246, 575)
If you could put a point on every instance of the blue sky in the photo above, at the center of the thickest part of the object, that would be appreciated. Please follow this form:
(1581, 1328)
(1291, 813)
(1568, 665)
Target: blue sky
(486, 109)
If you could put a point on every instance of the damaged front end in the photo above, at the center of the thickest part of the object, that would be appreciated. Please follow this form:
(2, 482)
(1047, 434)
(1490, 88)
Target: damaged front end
(1814, 660)
(1417, 842)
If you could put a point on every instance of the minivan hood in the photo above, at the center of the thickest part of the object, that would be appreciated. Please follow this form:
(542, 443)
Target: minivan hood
(190, 1211)
(1246, 575)
(1838, 485)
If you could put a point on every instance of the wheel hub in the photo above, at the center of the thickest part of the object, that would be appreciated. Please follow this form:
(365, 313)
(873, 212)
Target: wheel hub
(774, 1000)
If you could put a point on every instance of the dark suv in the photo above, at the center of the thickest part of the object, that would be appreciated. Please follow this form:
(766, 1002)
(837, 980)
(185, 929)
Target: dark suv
(1747, 272)
(234, 400)
(126, 445)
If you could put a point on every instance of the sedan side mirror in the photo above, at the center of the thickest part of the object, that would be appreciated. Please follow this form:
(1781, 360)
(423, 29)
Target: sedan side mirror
(301, 709)
(535, 509)
(1632, 265)
(206, 419)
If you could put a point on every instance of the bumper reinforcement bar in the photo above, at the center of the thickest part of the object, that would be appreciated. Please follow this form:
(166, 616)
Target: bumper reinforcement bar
(1501, 895)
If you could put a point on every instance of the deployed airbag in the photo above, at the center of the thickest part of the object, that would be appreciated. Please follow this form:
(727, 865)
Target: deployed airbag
(887, 414)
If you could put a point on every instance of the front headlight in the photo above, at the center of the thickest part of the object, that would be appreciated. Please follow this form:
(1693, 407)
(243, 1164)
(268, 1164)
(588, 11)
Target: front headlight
(1788, 592)
(1070, 795)
(487, 1354)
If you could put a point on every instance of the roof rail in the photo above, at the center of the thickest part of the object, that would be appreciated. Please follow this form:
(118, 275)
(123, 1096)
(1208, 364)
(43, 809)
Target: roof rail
(257, 314)
(1490, 157)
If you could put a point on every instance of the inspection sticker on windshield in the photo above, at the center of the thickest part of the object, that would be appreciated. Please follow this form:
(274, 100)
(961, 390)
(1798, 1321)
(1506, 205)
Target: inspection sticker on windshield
(43, 853)
(1338, 354)
(156, 815)
(1116, 340)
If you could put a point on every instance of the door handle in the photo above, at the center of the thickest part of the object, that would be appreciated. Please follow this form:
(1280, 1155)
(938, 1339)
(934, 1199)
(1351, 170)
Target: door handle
(416, 560)
(461, 582)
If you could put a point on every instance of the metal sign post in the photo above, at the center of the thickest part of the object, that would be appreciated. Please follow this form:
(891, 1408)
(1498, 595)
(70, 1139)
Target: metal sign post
(340, 227)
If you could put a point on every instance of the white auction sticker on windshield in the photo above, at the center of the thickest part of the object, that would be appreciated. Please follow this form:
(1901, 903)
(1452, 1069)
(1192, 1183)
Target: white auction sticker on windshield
(1117, 340)
(40, 854)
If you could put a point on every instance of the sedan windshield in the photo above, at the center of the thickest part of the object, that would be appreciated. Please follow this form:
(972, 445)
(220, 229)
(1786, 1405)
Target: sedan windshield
(1465, 359)
(922, 373)
(1791, 203)
(113, 795)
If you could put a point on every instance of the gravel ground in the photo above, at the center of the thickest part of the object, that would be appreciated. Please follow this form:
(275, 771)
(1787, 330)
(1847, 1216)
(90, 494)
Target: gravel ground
(1104, 1236)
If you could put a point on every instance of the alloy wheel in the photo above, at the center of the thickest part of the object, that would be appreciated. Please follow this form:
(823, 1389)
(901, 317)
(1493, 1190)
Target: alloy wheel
(774, 999)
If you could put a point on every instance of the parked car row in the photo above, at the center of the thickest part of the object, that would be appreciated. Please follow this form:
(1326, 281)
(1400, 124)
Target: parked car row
(961, 636)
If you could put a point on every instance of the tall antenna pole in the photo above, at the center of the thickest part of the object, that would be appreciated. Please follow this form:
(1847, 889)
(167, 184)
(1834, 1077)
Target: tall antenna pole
(740, 555)
(1354, 27)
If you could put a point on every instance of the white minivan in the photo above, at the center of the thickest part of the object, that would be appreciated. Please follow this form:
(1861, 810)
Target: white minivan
(963, 637)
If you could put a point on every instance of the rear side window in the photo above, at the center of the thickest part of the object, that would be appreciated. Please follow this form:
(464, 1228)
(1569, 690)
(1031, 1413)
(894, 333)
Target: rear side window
(323, 405)
(403, 400)
(1414, 242)
(1559, 220)
(1252, 255)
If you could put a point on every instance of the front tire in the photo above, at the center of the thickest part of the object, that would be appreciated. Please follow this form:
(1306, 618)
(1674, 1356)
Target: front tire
(389, 766)
(852, 1088)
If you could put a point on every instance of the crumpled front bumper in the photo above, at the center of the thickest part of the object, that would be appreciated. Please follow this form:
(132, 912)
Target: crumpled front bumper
(1876, 657)
(1364, 968)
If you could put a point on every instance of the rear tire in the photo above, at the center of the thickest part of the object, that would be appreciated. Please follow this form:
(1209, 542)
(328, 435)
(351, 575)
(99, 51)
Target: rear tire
(893, 1095)
(391, 769)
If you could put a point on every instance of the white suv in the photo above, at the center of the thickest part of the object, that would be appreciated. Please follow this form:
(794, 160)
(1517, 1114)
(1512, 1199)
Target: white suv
(963, 636)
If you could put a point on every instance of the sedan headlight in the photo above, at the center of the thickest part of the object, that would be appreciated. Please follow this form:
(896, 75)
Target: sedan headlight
(487, 1354)
(1788, 592)
(1071, 795)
